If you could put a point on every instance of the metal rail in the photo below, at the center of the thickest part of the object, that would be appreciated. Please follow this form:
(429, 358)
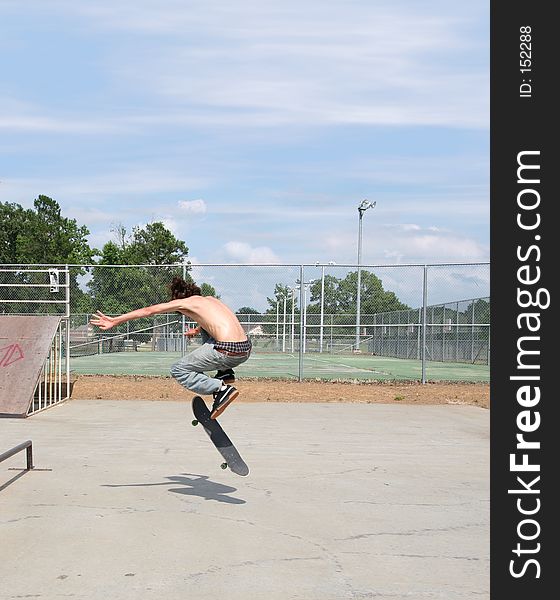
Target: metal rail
(28, 446)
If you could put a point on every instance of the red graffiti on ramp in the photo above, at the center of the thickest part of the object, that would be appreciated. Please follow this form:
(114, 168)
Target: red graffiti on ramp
(10, 354)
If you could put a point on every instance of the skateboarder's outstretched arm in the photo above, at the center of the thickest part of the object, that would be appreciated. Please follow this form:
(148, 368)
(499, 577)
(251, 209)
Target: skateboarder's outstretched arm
(104, 322)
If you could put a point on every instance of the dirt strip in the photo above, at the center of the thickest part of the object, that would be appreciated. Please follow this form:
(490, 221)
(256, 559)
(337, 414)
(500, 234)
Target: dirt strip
(111, 387)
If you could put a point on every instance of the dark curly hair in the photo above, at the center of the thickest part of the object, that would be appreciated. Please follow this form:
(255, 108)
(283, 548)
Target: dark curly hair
(181, 289)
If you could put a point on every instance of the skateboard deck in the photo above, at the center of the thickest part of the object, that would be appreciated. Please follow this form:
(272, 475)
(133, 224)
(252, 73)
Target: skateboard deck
(219, 438)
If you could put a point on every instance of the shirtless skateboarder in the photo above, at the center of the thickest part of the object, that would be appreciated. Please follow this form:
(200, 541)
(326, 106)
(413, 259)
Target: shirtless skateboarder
(224, 343)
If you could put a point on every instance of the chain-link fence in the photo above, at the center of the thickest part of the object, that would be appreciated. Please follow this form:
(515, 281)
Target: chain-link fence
(416, 322)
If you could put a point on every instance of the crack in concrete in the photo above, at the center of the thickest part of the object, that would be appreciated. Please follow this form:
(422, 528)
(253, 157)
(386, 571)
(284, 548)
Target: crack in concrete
(411, 532)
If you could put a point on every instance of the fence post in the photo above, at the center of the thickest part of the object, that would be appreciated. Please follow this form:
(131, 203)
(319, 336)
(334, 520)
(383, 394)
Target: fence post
(457, 334)
(183, 320)
(443, 331)
(301, 317)
(322, 308)
(332, 332)
(432, 321)
(293, 318)
(419, 340)
(472, 333)
(488, 348)
(424, 311)
(67, 292)
(67, 331)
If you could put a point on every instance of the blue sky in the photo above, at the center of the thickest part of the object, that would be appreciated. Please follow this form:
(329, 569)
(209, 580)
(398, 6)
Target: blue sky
(253, 129)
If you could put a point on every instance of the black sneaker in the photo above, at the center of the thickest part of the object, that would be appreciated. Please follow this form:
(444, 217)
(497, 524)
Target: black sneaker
(222, 399)
(227, 376)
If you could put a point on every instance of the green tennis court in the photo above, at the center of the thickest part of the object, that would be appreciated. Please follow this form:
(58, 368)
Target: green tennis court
(285, 365)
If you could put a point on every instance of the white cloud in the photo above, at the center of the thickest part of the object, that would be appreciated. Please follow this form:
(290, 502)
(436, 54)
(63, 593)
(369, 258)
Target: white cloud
(407, 243)
(169, 223)
(194, 207)
(433, 247)
(196, 272)
(430, 244)
(91, 215)
(99, 238)
(50, 124)
(245, 253)
(260, 63)
(191, 94)
(24, 116)
(130, 180)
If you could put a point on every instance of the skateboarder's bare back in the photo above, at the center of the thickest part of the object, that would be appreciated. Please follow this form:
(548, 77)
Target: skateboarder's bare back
(214, 317)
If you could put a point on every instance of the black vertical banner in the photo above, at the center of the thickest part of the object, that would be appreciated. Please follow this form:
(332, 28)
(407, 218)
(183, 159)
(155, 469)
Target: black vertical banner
(525, 430)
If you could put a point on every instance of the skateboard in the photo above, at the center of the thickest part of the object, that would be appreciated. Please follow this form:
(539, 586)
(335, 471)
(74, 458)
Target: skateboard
(219, 438)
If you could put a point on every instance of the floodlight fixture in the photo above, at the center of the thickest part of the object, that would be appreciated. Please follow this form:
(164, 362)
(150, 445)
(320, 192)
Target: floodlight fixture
(364, 205)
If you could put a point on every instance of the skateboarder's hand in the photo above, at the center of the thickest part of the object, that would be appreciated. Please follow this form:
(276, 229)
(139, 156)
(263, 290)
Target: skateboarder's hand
(102, 321)
(191, 332)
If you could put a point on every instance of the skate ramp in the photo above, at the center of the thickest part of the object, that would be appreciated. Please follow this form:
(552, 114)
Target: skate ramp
(25, 343)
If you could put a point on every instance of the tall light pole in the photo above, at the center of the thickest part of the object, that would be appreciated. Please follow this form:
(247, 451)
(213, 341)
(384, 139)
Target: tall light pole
(363, 206)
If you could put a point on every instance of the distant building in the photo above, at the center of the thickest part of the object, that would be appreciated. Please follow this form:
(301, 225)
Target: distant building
(252, 330)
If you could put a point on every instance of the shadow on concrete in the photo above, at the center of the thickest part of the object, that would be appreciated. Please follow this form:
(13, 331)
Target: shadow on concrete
(14, 478)
(193, 485)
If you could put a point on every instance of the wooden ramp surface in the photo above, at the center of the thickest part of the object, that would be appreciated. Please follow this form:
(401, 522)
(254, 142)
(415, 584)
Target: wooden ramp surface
(24, 347)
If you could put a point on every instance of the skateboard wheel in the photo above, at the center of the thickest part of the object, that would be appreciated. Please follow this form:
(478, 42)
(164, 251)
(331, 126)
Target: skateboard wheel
(194, 422)
(224, 465)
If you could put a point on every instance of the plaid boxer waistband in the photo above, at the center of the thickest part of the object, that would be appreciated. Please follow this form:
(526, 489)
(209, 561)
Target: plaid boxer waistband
(234, 347)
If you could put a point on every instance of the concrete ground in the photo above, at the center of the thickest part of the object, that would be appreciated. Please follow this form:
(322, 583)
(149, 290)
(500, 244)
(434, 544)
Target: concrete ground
(343, 501)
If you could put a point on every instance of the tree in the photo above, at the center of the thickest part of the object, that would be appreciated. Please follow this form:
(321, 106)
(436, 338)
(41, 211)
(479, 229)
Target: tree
(151, 245)
(478, 312)
(341, 297)
(341, 301)
(331, 293)
(41, 235)
(118, 290)
(156, 245)
(281, 292)
(207, 290)
(283, 296)
(247, 310)
(12, 217)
